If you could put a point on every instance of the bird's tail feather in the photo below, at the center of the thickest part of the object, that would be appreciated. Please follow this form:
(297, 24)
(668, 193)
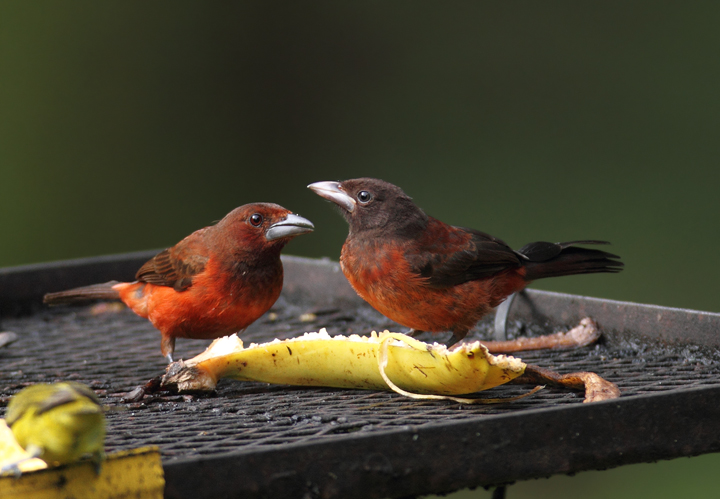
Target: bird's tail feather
(559, 259)
(102, 291)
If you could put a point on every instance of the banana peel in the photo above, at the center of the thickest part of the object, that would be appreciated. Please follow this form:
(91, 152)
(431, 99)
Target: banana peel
(364, 362)
(377, 362)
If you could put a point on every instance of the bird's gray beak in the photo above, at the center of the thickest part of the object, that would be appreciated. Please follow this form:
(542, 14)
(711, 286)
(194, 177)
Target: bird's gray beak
(292, 226)
(332, 192)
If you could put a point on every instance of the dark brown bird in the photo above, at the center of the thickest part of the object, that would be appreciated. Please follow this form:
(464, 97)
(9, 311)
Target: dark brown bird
(431, 276)
(215, 282)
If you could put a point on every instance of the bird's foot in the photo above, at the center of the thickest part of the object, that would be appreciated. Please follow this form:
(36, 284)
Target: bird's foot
(454, 340)
(97, 460)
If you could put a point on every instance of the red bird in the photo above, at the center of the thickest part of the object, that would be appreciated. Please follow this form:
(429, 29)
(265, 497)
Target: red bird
(431, 276)
(215, 282)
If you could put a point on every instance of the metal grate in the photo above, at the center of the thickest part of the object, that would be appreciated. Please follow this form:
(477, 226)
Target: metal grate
(114, 351)
(258, 440)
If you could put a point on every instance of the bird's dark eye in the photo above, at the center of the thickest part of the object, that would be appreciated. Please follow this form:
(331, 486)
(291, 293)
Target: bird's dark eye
(256, 219)
(364, 197)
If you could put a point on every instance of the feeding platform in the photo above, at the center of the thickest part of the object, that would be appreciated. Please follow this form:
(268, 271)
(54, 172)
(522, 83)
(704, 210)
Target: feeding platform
(260, 440)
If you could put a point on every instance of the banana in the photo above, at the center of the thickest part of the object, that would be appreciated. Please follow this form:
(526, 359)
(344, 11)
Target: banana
(377, 362)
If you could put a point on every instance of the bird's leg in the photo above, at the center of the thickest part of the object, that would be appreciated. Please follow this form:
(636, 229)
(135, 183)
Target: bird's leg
(97, 460)
(456, 337)
(167, 347)
(452, 341)
(499, 492)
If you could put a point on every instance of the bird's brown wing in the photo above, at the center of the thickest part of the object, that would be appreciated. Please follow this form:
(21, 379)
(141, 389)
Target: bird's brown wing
(175, 267)
(445, 264)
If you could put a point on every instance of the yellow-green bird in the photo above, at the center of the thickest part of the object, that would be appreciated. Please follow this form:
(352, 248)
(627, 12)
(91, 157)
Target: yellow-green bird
(59, 423)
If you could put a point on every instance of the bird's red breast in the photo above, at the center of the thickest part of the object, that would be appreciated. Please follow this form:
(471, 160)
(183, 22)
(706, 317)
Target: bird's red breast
(381, 272)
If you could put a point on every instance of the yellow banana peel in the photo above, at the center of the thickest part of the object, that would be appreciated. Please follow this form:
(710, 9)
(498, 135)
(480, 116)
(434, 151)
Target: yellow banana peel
(379, 362)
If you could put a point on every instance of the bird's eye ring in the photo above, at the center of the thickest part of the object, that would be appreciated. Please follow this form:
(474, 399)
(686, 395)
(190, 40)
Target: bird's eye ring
(256, 219)
(364, 197)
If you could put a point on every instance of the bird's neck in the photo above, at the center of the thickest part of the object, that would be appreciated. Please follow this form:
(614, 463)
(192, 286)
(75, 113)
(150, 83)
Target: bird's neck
(399, 228)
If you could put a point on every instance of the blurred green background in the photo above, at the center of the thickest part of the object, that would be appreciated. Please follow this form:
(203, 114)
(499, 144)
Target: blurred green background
(127, 125)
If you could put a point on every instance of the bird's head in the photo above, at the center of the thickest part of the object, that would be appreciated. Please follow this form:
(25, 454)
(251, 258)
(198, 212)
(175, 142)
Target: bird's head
(370, 204)
(261, 225)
